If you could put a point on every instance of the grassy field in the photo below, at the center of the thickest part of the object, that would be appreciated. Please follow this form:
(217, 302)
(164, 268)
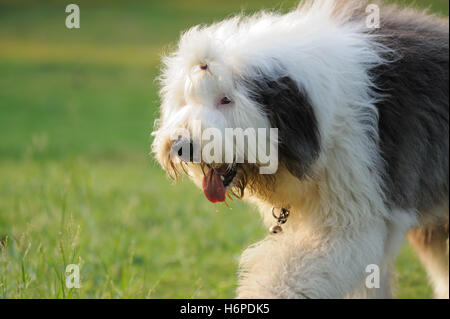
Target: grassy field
(76, 182)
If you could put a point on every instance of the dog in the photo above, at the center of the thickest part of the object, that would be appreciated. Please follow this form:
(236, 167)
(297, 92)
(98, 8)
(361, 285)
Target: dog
(362, 119)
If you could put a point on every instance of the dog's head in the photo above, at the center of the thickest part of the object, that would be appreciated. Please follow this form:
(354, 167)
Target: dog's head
(222, 81)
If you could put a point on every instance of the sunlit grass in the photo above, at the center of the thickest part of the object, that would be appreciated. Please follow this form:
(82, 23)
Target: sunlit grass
(134, 235)
(122, 224)
(77, 184)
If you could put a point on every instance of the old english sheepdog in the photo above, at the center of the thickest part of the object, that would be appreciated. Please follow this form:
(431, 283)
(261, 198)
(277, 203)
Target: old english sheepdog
(362, 119)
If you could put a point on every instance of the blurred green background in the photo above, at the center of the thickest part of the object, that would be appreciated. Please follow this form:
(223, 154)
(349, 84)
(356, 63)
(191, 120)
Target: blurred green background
(77, 183)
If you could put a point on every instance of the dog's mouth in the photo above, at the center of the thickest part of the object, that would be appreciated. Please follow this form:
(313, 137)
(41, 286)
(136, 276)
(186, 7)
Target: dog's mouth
(217, 180)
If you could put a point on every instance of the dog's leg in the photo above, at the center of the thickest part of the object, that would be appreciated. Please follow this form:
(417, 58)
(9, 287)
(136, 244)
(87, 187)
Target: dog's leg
(431, 244)
(385, 288)
(329, 264)
(397, 227)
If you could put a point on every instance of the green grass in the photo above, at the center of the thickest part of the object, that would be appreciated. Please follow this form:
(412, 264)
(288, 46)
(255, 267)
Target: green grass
(134, 235)
(76, 182)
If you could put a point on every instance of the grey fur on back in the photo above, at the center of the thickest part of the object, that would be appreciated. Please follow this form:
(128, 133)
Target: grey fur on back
(414, 113)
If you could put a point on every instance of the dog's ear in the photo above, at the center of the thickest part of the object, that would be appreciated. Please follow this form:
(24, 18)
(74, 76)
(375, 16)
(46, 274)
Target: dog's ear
(290, 110)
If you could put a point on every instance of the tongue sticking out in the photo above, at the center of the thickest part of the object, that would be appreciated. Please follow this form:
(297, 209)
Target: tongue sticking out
(213, 186)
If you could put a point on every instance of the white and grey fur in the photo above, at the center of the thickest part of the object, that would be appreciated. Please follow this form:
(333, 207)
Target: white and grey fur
(363, 119)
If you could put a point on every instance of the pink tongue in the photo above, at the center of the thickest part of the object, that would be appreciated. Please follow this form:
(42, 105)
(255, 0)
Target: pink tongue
(213, 186)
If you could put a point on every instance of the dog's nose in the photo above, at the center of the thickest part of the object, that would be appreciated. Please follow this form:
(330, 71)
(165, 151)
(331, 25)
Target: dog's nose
(184, 149)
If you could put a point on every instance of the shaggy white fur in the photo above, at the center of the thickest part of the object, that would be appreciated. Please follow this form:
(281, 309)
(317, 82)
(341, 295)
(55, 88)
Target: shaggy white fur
(340, 221)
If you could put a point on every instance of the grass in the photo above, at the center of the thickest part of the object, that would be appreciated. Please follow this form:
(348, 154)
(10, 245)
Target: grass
(76, 182)
(121, 223)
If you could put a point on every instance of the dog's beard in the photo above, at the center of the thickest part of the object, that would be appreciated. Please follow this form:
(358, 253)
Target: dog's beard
(232, 180)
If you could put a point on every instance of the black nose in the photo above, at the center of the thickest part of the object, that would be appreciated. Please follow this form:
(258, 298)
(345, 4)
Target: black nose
(184, 149)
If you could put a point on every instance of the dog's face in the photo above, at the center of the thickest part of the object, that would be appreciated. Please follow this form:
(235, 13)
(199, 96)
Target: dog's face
(208, 84)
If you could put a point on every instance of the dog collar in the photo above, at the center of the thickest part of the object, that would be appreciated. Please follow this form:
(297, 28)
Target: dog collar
(281, 219)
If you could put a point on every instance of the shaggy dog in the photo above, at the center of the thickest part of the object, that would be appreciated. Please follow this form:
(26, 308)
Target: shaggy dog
(363, 130)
